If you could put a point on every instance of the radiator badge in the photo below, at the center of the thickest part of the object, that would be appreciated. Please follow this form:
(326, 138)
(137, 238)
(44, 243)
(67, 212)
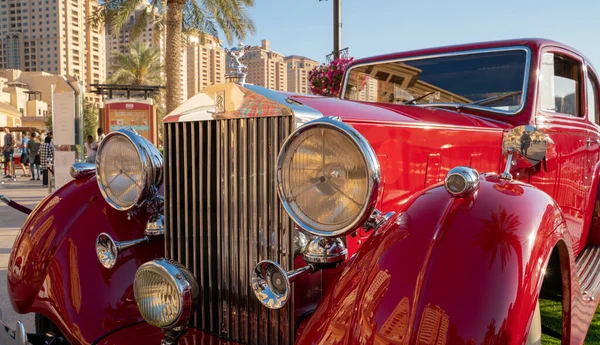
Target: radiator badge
(220, 102)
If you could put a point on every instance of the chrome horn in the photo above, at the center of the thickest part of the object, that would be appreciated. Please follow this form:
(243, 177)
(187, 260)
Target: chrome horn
(108, 250)
(272, 285)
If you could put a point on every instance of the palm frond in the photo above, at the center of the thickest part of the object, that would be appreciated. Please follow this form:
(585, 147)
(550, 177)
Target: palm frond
(139, 66)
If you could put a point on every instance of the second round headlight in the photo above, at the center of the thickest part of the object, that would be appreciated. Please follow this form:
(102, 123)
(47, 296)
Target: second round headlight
(128, 169)
(328, 177)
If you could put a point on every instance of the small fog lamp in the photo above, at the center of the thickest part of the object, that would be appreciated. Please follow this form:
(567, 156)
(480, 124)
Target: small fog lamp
(166, 293)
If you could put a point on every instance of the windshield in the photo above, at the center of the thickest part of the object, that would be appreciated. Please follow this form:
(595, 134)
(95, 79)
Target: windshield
(493, 80)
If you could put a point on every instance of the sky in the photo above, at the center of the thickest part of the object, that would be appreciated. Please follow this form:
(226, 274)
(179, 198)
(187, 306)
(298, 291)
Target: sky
(372, 27)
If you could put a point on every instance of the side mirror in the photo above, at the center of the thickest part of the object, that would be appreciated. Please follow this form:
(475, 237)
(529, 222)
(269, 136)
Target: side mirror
(524, 147)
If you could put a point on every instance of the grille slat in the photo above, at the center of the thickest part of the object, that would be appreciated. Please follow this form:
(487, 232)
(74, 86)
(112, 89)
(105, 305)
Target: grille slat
(211, 246)
(223, 215)
(243, 257)
(234, 229)
(273, 216)
(255, 309)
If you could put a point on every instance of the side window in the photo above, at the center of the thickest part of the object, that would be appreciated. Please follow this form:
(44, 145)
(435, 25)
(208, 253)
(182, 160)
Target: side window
(560, 84)
(592, 99)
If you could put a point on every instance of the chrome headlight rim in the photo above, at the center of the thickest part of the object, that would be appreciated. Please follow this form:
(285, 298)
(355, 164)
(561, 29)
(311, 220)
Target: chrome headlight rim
(152, 167)
(371, 164)
(186, 286)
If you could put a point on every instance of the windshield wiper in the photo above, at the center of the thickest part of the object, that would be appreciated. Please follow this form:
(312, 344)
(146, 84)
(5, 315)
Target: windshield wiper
(488, 100)
(414, 100)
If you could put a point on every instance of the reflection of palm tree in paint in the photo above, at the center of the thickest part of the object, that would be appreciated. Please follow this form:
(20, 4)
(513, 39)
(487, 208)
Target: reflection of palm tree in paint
(498, 239)
(499, 236)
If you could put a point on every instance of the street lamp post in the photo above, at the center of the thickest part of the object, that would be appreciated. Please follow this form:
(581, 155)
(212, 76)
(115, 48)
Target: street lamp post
(337, 28)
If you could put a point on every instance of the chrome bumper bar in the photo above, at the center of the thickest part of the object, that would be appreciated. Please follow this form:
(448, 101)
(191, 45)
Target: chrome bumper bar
(12, 337)
(18, 336)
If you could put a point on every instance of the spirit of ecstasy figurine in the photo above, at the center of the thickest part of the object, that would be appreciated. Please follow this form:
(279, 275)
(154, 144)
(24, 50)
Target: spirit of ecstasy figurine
(237, 67)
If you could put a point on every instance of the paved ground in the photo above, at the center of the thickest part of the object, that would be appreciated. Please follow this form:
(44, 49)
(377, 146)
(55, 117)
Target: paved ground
(28, 193)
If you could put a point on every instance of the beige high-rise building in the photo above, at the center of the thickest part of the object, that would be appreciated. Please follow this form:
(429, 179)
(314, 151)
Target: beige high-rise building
(266, 67)
(298, 68)
(52, 36)
(205, 63)
(119, 44)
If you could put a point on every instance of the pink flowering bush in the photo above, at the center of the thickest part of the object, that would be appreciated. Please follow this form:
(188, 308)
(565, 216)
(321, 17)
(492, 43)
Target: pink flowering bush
(326, 79)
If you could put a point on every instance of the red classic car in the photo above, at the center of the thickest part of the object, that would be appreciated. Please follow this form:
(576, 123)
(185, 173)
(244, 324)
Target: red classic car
(433, 202)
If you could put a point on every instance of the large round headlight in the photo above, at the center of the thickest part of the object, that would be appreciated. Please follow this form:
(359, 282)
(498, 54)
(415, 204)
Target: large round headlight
(328, 177)
(166, 293)
(129, 169)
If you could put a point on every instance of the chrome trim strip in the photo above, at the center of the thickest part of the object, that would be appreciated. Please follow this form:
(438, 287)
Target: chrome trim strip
(212, 259)
(254, 222)
(177, 174)
(219, 232)
(195, 211)
(302, 113)
(234, 229)
(186, 198)
(80, 170)
(244, 243)
(456, 53)
(263, 213)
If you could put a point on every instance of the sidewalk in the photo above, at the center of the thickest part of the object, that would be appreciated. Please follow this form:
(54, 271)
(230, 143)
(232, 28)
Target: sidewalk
(28, 193)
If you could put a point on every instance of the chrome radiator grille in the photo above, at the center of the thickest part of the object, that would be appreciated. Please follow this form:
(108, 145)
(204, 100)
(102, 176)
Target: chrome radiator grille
(223, 216)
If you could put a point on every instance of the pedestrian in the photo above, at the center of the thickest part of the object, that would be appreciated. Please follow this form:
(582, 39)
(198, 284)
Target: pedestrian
(46, 156)
(33, 147)
(87, 146)
(101, 135)
(8, 152)
(24, 156)
(91, 158)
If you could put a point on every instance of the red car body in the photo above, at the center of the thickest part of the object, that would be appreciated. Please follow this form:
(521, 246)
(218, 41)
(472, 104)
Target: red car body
(443, 270)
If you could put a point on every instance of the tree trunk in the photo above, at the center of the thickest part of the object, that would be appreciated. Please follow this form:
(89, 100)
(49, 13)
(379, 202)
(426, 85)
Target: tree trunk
(173, 56)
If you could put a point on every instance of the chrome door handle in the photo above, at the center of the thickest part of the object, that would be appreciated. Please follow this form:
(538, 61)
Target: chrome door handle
(593, 141)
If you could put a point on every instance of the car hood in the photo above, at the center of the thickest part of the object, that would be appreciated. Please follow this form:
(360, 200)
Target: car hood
(355, 111)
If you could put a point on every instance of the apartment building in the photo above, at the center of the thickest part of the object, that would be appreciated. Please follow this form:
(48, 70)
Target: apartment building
(298, 68)
(206, 63)
(120, 43)
(266, 67)
(52, 36)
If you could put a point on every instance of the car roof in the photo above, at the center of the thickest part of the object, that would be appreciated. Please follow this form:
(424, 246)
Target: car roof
(532, 43)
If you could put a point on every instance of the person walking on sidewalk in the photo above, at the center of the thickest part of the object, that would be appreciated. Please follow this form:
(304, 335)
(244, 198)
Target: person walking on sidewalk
(46, 155)
(24, 161)
(8, 152)
(33, 147)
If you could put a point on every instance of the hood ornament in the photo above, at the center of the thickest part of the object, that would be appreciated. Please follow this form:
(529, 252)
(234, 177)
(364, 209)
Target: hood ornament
(236, 67)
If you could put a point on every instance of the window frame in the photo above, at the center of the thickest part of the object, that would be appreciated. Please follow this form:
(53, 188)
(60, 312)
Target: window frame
(582, 99)
(526, 78)
(592, 77)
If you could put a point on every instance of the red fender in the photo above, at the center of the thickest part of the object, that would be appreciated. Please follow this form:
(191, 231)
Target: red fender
(446, 271)
(53, 268)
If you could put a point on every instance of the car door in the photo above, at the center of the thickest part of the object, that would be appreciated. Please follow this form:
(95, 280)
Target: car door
(561, 116)
(592, 87)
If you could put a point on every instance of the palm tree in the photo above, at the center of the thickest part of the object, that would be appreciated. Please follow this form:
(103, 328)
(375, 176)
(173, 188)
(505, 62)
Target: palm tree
(179, 17)
(139, 66)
